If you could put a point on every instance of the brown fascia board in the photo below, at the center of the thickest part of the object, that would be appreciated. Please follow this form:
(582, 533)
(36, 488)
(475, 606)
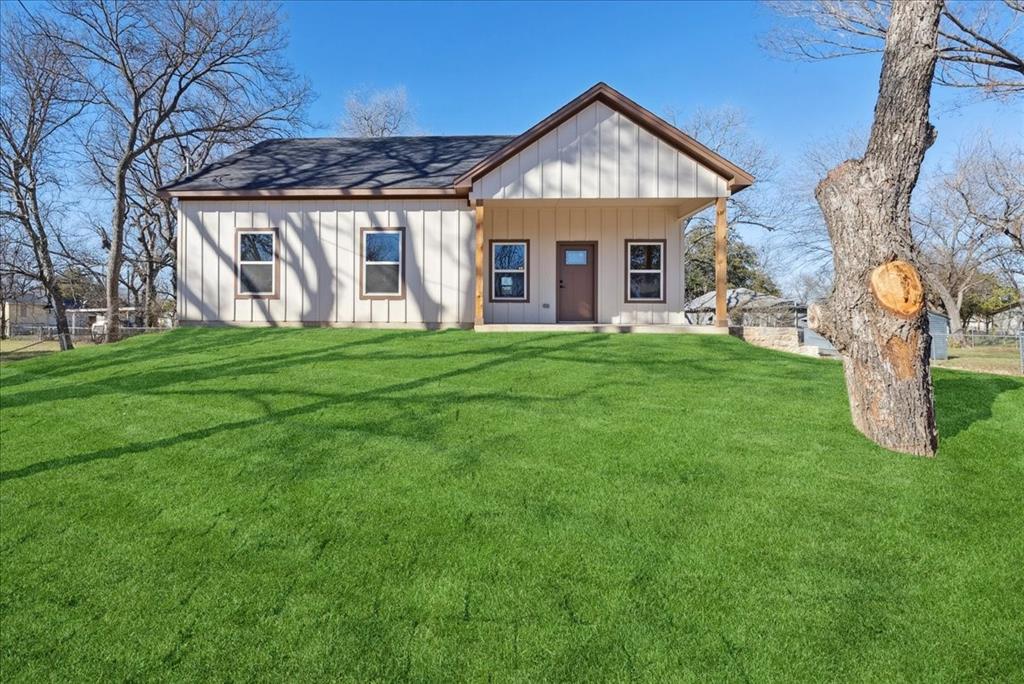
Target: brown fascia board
(315, 193)
(602, 92)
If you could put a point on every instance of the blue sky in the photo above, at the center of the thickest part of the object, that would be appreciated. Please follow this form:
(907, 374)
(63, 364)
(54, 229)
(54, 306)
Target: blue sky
(500, 67)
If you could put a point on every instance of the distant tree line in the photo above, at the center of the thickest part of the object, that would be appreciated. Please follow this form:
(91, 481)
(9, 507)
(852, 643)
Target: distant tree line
(112, 100)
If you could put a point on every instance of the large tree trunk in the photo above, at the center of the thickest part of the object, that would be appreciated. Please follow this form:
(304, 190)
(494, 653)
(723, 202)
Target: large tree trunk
(60, 316)
(952, 304)
(115, 258)
(876, 316)
(150, 306)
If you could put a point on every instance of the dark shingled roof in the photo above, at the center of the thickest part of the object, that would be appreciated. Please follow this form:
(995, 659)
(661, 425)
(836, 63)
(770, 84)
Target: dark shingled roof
(346, 163)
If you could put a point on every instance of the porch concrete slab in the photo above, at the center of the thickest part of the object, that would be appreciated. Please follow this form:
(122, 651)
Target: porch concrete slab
(601, 328)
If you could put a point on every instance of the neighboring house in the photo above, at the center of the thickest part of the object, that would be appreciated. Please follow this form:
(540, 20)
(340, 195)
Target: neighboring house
(1006, 321)
(23, 313)
(576, 220)
(938, 327)
(88, 317)
(746, 307)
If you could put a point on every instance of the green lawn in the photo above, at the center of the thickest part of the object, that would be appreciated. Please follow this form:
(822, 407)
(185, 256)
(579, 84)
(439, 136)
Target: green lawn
(321, 504)
(1003, 359)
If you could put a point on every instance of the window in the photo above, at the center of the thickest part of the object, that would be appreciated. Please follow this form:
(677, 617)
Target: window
(575, 257)
(645, 271)
(509, 263)
(383, 263)
(257, 263)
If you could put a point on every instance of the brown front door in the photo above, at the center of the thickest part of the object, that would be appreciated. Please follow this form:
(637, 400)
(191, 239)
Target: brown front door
(576, 281)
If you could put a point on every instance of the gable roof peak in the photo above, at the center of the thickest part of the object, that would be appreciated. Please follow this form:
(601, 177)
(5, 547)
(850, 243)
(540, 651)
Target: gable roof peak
(601, 91)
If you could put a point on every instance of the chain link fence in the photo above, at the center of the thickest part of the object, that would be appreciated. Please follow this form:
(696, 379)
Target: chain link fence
(986, 352)
(93, 333)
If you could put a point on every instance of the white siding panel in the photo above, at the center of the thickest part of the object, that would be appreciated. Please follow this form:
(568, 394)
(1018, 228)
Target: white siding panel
(244, 309)
(191, 287)
(512, 179)
(686, 169)
(569, 153)
(532, 171)
(467, 265)
(431, 305)
(274, 213)
(348, 274)
(225, 249)
(707, 183)
(329, 245)
(449, 267)
(544, 272)
(629, 157)
(608, 161)
(414, 289)
(590, 151)
(648, 164)
(551, 167)
(667, 170)
(362, 310)
(596, 153)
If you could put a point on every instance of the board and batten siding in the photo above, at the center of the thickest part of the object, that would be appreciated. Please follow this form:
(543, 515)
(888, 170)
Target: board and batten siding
(599, 153)
(609, 227)
(319, 254)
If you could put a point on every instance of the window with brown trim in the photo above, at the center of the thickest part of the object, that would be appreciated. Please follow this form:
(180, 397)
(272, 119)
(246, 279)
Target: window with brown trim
(510, 263)
(383, 263)
(257, 263)
(645, 270)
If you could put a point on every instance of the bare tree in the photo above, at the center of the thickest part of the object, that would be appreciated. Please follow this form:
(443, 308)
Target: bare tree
(810, 286)
(152, 219)
(875, 315)
(959, 228)
(990, 190)
(978, 44)
(726, 130)
(803, 236)
(39, 100)
(162, 70)
(376, 114)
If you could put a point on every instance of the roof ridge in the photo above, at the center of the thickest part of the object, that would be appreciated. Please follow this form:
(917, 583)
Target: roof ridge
(387, 137)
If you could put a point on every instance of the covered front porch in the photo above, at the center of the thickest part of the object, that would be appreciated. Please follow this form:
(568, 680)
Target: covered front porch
(585, 265)
(578, 219)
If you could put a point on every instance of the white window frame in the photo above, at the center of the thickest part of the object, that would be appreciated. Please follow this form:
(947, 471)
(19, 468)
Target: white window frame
(399, 293)
(525, 270)
(630, 271)
(273, 262)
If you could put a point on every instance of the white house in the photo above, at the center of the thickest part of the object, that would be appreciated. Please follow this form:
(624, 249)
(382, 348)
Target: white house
(577, 220)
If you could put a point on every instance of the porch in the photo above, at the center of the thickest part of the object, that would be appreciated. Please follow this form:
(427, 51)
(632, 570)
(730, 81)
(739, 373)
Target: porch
(600, 328)
(586, 265)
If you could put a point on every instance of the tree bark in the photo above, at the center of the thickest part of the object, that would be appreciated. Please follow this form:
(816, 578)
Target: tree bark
(30, 217)
(875, 315)
(115, 258)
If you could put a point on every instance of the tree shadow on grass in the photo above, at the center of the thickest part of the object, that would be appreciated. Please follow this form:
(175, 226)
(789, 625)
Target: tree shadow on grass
(397, 392)
(963, 398)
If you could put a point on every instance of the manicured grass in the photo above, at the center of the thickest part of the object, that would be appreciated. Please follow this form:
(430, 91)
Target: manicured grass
(322, 504)
(1003, 359)
(21, 348)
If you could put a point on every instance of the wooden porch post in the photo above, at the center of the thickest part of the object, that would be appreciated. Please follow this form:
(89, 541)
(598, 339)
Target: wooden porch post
(721, 239)
(478, 318)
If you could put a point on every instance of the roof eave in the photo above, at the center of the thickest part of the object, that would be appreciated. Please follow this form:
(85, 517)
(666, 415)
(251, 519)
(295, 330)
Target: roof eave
(313, 193)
